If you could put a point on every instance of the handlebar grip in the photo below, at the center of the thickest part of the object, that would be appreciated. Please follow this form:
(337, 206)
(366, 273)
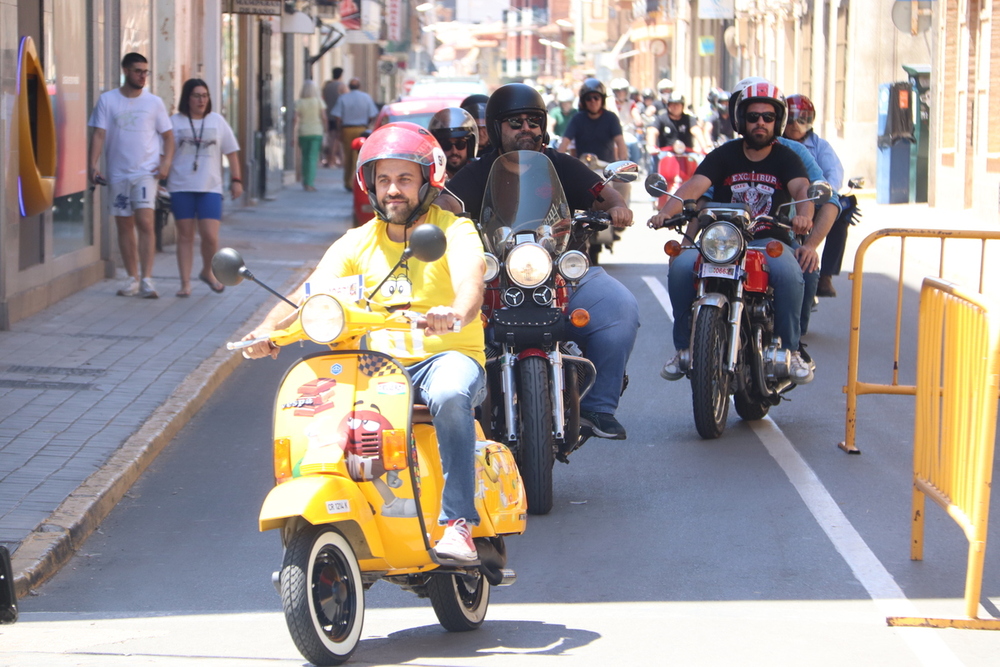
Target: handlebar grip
(240, 344)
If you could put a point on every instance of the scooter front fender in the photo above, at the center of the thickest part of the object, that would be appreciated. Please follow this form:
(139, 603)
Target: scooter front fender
(321, 499)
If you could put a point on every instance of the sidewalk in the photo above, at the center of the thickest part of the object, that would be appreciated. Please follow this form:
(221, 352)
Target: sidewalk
(92, 388)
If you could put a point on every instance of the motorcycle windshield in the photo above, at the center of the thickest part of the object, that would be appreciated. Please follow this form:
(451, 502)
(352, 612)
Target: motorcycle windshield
(524, 201)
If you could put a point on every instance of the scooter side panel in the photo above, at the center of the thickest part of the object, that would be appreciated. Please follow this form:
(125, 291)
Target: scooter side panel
(321, 499)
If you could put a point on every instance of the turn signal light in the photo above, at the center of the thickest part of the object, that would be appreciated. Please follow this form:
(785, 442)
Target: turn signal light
(394, 449)
(672, 248)
(282, 460)
(579, 318)
(774, 248)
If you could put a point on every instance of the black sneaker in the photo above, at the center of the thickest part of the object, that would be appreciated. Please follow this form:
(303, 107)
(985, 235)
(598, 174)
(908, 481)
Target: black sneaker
(602, 424)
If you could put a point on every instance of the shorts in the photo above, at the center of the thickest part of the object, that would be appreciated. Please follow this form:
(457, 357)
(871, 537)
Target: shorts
(201, 205)
(133, 193)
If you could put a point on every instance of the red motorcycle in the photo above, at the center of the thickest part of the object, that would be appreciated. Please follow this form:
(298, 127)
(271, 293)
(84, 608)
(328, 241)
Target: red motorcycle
(734, 348)
(677, 164)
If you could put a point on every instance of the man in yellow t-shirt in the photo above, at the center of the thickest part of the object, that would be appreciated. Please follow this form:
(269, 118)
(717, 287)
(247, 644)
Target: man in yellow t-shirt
(402, 169)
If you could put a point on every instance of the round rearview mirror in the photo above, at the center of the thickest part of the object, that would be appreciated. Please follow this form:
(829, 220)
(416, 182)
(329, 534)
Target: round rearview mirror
(656, 185)
(228, 266)
(428, 243)
(820, 191)
(622, 171)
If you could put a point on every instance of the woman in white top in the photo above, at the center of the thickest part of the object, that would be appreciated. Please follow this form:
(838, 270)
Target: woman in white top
(310, 121)
(195, 184)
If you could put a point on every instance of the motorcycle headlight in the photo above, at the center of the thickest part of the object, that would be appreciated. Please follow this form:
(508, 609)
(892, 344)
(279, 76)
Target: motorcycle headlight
(529, 265)
(492, 268)
(322, 318)
(721, 243)
(573, 265)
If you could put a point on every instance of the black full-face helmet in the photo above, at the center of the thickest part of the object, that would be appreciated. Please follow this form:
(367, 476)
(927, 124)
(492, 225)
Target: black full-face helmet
(592, 86)
(509, 100)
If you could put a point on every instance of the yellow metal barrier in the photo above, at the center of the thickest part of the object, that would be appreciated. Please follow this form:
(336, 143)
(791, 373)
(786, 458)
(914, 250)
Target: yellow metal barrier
(854, 388)
(958, 362)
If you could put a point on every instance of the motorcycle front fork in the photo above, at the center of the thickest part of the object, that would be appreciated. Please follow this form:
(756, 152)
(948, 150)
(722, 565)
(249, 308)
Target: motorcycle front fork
(736, 307)
(508, 361)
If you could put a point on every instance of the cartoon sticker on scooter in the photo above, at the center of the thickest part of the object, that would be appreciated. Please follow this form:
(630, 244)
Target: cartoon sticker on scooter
(360, 436)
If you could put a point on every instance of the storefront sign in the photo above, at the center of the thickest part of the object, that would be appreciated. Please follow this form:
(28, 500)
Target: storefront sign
(394, 20)
(717, 9)
(269, 7)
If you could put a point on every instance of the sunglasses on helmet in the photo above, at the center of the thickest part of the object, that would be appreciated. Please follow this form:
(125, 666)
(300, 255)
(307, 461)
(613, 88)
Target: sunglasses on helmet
(516, 122)
(754, 116)
(460, 144)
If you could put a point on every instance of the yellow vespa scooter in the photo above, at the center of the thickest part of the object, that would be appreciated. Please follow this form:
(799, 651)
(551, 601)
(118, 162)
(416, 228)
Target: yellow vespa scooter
(358, 479)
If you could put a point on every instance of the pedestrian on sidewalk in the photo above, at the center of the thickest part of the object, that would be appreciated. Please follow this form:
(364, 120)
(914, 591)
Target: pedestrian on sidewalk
(133, 125)
(195, 182)
(332, 90)
(310, 122)
(354, 112)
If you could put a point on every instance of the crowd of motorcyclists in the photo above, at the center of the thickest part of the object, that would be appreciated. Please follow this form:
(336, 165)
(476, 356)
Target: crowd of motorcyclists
(751, 145)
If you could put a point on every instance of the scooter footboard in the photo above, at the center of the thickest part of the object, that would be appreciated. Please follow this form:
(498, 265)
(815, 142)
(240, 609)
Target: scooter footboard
(321, 499)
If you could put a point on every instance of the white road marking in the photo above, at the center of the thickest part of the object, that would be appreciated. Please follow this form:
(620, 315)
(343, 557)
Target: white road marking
(926, 643)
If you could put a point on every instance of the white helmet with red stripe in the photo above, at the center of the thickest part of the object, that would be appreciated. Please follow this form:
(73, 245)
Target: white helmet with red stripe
(753, 90)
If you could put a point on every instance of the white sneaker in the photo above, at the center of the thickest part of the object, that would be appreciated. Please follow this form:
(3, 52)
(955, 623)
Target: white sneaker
(800, 371)
(147, 290)
(130, 287)
(672, 369)
(457, 542)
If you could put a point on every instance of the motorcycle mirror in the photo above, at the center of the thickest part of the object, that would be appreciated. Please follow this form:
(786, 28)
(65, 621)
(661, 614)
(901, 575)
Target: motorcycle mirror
(656, 185)
(819, 191)
(228, 267)
(428, 243)
(622, 171)
(856, 182)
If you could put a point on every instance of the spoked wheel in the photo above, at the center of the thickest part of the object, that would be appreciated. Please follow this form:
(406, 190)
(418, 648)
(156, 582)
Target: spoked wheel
(710, 379)
(536, 447)
(322, 595)
(459, 601)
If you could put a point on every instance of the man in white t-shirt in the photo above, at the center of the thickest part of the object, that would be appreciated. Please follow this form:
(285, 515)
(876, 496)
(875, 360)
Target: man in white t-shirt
(134, 125)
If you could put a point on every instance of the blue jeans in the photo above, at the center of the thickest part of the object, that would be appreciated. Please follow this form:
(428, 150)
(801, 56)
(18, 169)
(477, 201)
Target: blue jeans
(785, 277)
(632, 144)
(808, 296)
(451, 384)
(608, 339)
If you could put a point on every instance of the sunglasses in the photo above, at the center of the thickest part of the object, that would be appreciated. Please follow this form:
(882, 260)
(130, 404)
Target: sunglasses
(516, 122)
(800, 121)
(592, 98)
(754, 116)
(460, 144)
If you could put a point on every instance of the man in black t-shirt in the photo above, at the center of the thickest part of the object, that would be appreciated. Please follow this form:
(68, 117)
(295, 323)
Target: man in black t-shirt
(672, 125)
(763, 174)
(596, 130)
(614, 313)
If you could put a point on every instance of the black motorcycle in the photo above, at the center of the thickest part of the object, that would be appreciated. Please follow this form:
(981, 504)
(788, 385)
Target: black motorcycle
(535, 254)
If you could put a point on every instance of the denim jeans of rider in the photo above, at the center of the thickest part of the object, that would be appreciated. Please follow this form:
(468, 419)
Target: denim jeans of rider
(451, 384)
(608, 339)
(785, 277)
(808, 296)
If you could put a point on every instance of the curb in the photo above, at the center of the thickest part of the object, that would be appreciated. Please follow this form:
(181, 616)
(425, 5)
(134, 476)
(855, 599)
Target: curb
(56, 540)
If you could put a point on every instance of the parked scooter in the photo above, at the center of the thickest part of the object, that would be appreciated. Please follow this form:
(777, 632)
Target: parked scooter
(734, 348)
(536, 375)
(358, 476)
(605, 239)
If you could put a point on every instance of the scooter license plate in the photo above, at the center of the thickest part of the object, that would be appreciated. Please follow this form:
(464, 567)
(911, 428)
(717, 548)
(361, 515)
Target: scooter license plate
(717, 271)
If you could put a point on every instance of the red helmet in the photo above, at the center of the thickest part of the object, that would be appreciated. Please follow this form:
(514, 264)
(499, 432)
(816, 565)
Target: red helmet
(800, 106)
(759, 90)
(403, 141)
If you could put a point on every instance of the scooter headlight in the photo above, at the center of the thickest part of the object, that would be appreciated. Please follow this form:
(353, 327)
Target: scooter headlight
(721, 243)
(492, 268)
(322, 318)
(573, 265)
(529, 265)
